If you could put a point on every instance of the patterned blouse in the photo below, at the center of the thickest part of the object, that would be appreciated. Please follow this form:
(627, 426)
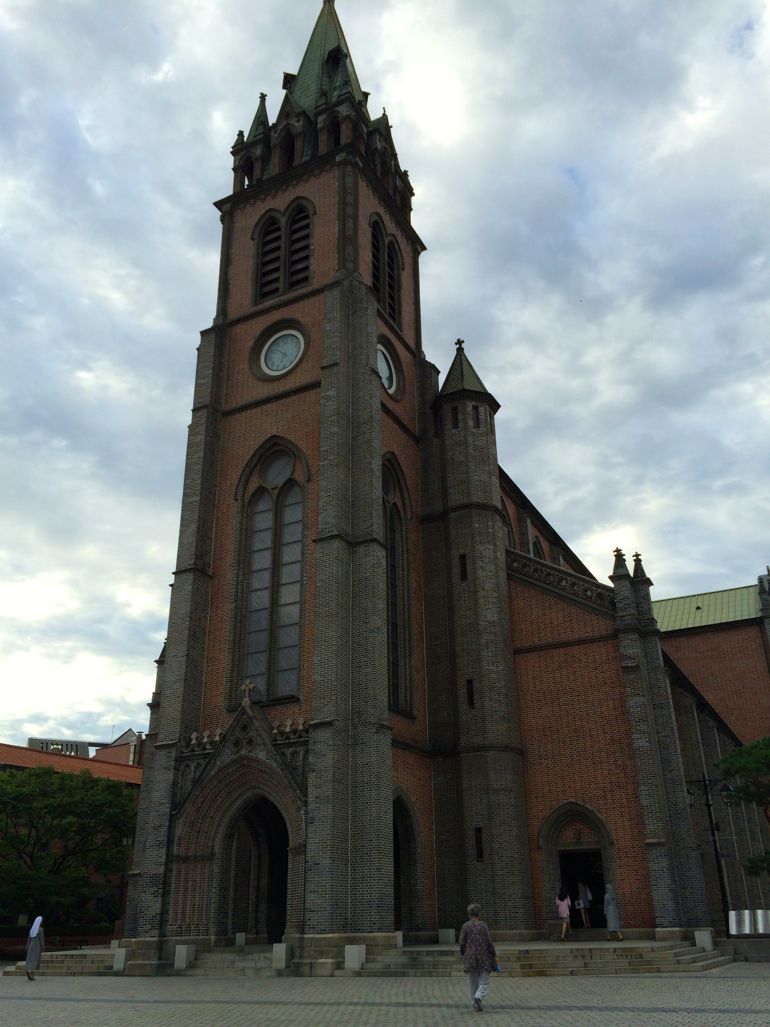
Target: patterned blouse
(476, 947)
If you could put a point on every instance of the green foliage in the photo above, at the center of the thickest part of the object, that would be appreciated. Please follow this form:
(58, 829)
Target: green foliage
(750, 765)
(61, 838)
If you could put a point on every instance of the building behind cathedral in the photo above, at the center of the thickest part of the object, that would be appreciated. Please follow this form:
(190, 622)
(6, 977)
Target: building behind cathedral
(389, 687)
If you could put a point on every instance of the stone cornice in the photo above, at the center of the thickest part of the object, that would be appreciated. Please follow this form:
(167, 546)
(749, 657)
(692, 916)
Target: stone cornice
(561, 581)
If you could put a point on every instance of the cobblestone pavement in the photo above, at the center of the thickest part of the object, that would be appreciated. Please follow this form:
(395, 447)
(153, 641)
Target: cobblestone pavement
(737, 995)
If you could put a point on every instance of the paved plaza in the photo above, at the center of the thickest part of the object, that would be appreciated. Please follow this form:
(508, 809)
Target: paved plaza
(737, 995)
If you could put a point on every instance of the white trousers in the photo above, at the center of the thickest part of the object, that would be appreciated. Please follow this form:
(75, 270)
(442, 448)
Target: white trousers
(478, 984)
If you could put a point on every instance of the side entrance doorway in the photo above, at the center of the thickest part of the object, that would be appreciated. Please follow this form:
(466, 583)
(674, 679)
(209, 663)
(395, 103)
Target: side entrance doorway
(406, 903)
(584, 865)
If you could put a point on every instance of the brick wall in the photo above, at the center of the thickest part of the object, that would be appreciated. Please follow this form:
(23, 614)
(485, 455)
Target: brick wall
(728, 664)
(574, 728)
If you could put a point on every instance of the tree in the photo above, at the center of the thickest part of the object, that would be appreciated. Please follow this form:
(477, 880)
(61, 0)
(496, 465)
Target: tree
(751, 765)
(62, 837)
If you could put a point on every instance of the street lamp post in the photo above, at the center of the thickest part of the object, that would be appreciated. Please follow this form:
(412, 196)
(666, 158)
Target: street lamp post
(706, 784)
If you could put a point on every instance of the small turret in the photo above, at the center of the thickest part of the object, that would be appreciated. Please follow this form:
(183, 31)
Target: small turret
(641, 585)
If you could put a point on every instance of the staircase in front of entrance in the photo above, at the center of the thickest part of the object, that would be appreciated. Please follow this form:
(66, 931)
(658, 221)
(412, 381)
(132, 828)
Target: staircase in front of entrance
(530, 959)
(544, 959)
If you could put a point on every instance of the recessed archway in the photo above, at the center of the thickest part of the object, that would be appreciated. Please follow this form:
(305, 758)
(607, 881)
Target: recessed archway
(406, 884)
(257, 849)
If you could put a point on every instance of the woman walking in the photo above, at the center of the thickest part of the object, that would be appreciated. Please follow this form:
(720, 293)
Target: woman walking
(563, 903)
(35, 948)
(612, 913)
(479, 956)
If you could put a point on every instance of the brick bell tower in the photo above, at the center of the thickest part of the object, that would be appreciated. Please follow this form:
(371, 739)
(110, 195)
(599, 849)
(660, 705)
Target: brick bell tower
(292, 660)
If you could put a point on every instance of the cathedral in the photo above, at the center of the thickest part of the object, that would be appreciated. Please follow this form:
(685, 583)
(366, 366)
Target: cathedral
(389, 687)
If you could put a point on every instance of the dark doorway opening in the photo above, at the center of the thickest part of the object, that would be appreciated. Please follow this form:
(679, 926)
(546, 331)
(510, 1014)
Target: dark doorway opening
(584, 865)
(258, 877)
(405, 915)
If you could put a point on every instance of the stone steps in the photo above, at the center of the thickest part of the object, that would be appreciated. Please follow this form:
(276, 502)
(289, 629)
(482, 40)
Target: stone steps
(551, 961)
(79, 962)
(545, 960)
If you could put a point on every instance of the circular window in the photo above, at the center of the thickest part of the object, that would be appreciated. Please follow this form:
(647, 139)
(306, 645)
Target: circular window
(281, 352)
(386, 369)
(278, 467)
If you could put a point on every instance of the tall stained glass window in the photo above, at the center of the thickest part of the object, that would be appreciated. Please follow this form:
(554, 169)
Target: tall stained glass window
(273, 608)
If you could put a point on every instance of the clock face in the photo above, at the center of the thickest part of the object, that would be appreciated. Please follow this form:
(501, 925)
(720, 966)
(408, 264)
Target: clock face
(386, 370)
(282, 352)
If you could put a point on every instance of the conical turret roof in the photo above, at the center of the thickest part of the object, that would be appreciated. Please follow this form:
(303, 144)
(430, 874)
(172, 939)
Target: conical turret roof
(260, 126)
(327, 70)
(462, 375)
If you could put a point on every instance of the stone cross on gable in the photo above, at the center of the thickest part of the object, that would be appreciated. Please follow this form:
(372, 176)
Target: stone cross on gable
(246, 688)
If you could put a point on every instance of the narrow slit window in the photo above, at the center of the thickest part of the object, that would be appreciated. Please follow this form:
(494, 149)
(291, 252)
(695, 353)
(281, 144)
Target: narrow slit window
(455, 417)
(479, 845)
(470, 694)
(476, 416)
(463, 567)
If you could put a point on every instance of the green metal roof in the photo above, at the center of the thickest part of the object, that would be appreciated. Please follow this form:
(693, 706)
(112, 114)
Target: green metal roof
(461, 374)
(731, 604)
(318, 79)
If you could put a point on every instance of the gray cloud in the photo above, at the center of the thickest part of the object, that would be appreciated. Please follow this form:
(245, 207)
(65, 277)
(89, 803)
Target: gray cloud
(591, 183)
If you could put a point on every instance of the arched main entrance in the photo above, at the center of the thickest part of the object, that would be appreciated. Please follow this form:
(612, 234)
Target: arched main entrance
(256, 881)
(576, 846)
(406, 905)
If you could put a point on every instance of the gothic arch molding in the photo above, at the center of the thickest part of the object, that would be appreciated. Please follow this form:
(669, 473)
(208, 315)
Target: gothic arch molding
(407, 859)
(201, 856)
(274, 442)
(552, 843)
(392, 462)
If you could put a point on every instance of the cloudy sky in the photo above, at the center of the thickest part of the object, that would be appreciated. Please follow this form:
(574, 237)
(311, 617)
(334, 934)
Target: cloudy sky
(592, 182)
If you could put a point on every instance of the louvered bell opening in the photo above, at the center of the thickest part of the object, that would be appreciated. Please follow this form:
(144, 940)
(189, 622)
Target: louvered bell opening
(392, 298)
(270, 261)
(299, 249)
(377, 261)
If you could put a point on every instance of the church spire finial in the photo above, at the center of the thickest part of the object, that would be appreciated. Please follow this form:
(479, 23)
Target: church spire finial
(460, 343)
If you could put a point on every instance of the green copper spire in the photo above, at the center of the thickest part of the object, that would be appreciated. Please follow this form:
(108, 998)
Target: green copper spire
(326, 71)
(461, 374)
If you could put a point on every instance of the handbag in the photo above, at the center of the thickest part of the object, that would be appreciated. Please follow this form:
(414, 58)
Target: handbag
(578, 904)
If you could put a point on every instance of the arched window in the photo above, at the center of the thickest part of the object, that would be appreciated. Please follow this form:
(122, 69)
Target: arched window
(283, 253)
(274, 579)
(393, 298)
(510, 538)
(269, 272)
(397, 594)
(333, 134)
(537, 549)
(299, 248)
(286, 151)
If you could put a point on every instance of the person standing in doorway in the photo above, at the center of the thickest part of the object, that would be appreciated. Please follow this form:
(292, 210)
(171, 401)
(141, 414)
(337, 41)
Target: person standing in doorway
(584, 900)
(479, 956)
(612, 912)
(563, 904)
(35, 947)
